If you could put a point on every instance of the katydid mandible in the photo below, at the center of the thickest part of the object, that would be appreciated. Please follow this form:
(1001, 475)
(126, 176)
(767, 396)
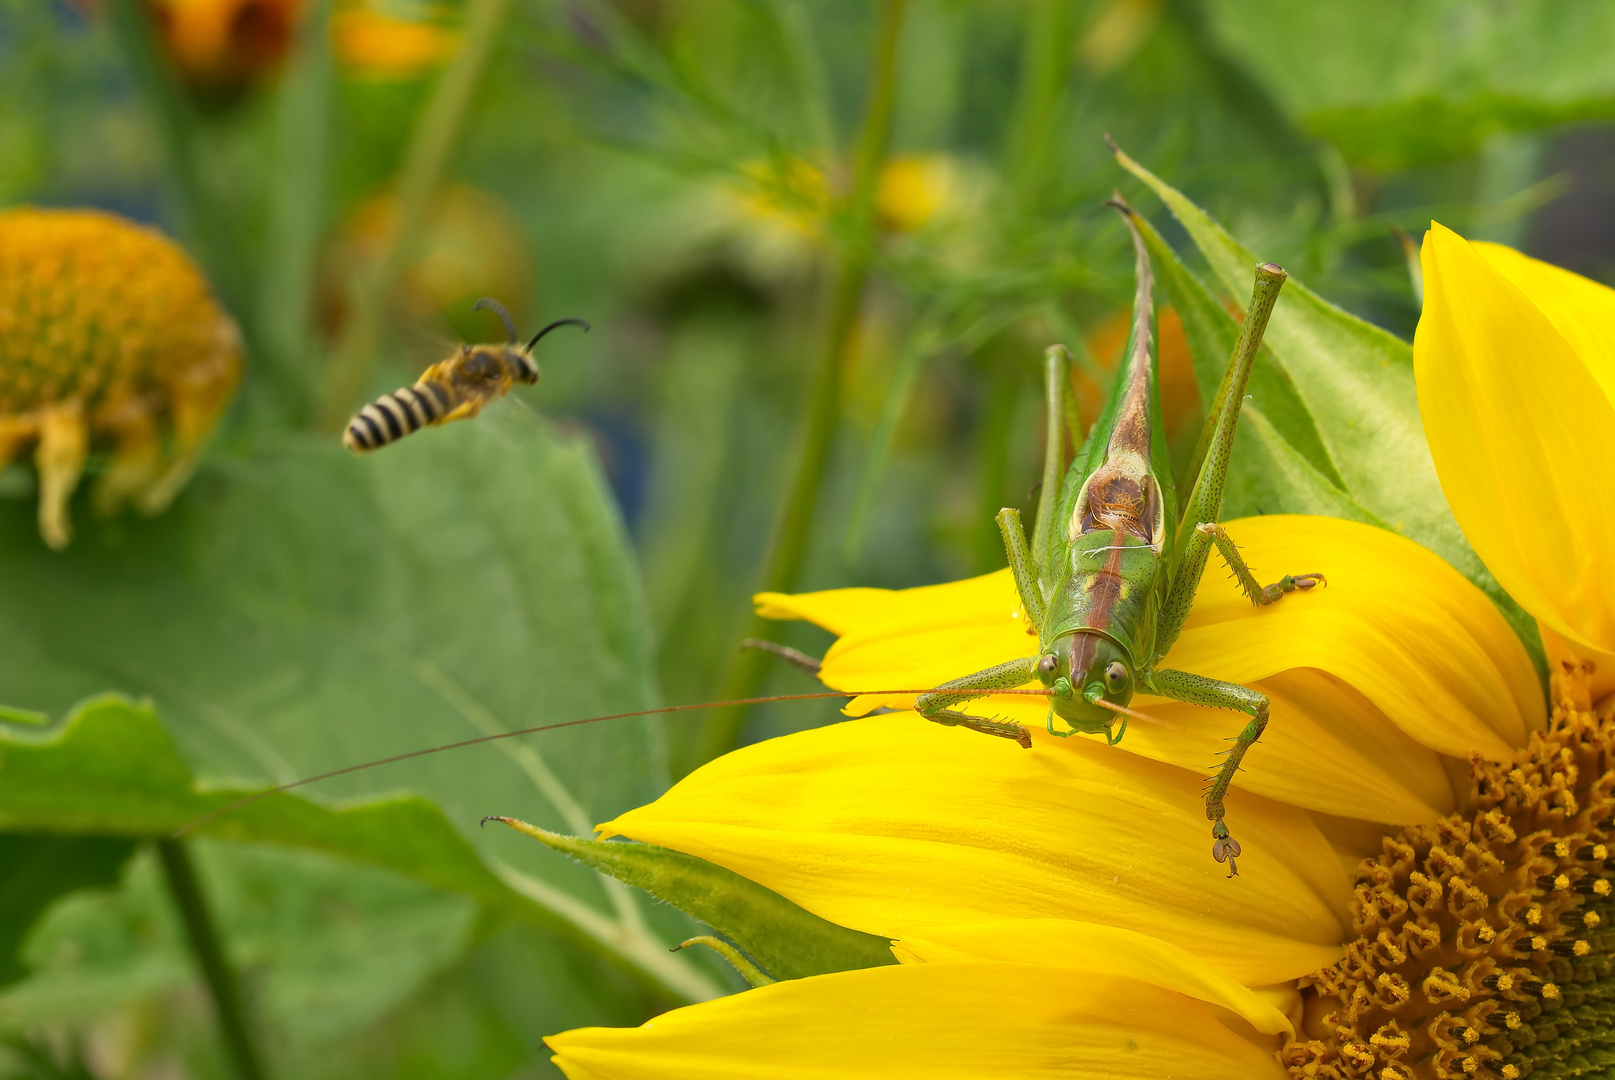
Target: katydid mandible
(1115, 559)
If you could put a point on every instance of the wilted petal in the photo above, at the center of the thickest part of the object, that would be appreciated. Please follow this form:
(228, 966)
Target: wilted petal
(894, 825)
(1427, 662)
(1100, 950)
(971, 1021)
(1520, 425)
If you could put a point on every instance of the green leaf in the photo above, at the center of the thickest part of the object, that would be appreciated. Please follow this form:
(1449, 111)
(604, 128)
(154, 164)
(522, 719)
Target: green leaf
(789, 942)
(1253, 487)
(327, 946)
(110, 769)
(305, 610)
(1399, 82)
(36, 869)
(1355, 381)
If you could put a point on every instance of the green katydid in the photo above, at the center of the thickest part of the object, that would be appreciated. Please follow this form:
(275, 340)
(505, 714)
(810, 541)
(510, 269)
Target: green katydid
(1110, 574)
(1115, 559)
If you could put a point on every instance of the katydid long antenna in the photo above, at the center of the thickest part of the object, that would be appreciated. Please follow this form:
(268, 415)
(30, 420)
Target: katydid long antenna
(1124, 710)
(264, 794)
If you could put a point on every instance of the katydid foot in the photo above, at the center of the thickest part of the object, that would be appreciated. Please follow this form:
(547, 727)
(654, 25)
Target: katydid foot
(1260, 595)
(1001, 728)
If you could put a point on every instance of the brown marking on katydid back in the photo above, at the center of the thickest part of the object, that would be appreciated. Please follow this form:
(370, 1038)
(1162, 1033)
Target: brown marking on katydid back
(1080, 655)
(1116, 502)
(1132, 427)
(1105, 589)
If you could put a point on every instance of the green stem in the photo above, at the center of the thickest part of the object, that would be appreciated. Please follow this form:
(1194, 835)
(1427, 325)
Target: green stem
(221, 981)
(425, 161)
(292, 238)
(1045, 66)
(177, 124)
(722, 730)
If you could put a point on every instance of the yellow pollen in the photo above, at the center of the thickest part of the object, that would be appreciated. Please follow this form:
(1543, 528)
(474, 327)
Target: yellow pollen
(109, 340)
(1474, 954)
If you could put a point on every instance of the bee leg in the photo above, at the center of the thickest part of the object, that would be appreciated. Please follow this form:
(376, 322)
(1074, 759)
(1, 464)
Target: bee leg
(196, 400)
(136, 459)
(64, 442)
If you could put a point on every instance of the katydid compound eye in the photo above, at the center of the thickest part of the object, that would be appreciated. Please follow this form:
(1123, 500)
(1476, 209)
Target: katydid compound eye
(1115, 676)
(1047, 664)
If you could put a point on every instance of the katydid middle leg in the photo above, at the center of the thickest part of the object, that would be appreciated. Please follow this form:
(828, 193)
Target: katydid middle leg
(1260, 595)
(1199, 690)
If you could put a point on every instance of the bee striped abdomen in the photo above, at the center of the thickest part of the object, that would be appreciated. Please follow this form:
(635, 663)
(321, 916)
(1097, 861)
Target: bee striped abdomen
(392, 416)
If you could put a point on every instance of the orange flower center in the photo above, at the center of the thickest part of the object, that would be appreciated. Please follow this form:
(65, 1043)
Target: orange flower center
(1486, 942)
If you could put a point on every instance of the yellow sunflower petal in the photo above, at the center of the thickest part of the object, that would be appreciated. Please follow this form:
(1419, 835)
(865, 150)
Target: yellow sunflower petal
(972, 1021)
(1582, 310)
(1398, 656)
(1563, 655)
(1395, 622)
(1100, 950)
(1520, 429)
(894, 825)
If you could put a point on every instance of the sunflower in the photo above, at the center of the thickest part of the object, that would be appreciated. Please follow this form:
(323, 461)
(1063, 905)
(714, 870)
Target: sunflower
(1426, 887)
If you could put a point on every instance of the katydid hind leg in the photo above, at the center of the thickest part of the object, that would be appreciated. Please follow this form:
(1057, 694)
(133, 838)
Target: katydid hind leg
(1045, 528)
(1205, 498)
(1005, 676)
(1259, 594)
(1200, 690)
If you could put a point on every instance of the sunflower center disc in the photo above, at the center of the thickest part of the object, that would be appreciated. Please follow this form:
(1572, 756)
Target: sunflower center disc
(1486, 941)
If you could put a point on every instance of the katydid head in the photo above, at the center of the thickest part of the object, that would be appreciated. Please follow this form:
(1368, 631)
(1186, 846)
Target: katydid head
(1085, 668)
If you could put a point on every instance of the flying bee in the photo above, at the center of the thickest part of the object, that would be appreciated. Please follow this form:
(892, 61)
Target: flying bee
(452, 389)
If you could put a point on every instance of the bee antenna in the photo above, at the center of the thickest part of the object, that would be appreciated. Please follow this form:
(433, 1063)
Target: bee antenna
(488, 303)
(552, 326)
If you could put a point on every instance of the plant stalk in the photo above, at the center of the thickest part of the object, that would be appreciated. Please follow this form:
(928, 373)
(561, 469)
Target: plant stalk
(221, 980)
(721, 730)
(425, 161)
(292, 238)
(177, 124)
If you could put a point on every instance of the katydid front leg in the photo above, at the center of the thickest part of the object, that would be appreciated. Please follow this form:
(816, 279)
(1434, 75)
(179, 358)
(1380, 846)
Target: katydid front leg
(1005, 676)
(1199, 690)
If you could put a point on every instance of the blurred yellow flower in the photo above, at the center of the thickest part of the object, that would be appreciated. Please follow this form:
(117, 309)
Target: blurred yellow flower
(383, 44)
(223, 46)
(107, 332)
(469, 244)
(911, 193)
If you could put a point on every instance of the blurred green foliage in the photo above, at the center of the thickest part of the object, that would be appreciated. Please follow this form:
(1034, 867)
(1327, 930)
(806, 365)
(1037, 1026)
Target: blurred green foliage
(679, 173)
